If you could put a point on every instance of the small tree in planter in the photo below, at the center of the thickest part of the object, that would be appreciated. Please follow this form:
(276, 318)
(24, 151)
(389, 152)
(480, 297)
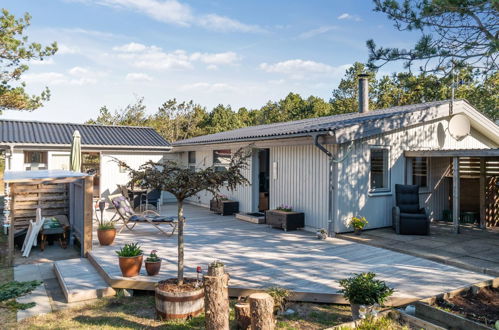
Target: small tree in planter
(364, 289)
(183, 183)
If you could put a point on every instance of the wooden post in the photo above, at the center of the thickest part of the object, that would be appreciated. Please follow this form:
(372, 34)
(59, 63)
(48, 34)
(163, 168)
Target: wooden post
(87, 214)
(216, 300)
(483, 224)
(242, 315)
(262, 311)
(456, 187)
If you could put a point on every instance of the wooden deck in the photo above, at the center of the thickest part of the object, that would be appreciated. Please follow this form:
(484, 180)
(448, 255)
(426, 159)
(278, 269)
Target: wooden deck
(257, 257)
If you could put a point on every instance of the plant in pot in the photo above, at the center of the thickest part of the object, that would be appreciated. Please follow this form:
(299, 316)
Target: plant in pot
(284, 208)
(322, 234)
(106, 232)
(364, 292)
(130, 259)
(180, 297)
(358, 223)
(153, 263)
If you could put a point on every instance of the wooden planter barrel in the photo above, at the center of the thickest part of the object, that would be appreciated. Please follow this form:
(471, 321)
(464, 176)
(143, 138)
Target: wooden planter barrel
(179, 305)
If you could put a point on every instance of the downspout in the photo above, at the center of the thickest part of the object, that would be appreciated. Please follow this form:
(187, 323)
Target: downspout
(331, 227)
(332, 160)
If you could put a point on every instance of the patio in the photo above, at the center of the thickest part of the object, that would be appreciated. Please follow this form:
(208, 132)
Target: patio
(257, 257)
(473, 248)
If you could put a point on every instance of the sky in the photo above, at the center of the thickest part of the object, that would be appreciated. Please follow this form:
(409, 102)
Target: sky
(237, 53)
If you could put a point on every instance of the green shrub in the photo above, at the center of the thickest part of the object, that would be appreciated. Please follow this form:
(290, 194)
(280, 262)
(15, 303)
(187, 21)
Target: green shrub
(280, 296)
(153, 256)
(364, 289)
(130, 250)
(14, 289)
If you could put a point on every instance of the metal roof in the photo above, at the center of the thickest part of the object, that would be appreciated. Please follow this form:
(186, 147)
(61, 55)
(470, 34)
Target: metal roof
(42, 133)
(10, 176)
(307, 126)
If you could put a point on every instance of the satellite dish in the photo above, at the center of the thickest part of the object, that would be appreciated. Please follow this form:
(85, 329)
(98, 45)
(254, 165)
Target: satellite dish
(459, 127)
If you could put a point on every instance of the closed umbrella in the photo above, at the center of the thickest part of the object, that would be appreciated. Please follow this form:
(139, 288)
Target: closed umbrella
(75, 156)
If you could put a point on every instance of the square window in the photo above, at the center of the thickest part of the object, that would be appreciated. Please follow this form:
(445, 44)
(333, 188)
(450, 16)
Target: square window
(379, 176)
(191, 157)
(221, 159)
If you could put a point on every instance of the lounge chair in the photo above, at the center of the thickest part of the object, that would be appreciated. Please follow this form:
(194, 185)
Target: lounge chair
(407, 216)
(130, 218)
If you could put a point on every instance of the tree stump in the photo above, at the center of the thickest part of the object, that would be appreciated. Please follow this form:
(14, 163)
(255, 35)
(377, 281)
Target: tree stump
(242, 315)
(216, 296)
(262, 311)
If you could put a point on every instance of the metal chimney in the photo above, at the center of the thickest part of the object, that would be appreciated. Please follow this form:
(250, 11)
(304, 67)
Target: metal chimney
(363, 93)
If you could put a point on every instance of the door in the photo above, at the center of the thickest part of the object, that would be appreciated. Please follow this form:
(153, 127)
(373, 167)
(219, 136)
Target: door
(263, 179)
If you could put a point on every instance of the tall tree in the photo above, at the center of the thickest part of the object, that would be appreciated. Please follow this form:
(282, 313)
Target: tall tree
(454, 33)
(15, 52)
(131, 115)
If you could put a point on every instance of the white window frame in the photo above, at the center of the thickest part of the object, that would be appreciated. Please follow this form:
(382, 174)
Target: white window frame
(388, 189)
(221, 166)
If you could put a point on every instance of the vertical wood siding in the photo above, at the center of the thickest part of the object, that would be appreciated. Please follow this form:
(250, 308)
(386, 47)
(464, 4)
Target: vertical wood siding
(353, 174)
(110, 172)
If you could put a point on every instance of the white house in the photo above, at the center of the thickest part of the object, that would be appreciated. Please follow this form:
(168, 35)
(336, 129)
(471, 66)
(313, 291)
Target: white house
(33, 145)
(333, 168)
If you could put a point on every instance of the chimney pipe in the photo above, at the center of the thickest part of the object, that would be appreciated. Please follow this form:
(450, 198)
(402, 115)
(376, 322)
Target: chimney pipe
(363, 93)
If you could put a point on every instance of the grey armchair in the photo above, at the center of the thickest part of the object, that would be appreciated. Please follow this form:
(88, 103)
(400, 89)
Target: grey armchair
(408, 218)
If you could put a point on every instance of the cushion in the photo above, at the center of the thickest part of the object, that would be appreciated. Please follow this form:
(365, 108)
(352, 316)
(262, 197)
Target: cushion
(153, 218)
(123, 206)
(407, 198)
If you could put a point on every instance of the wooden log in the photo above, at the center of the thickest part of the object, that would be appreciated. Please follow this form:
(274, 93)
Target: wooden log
(216, 302)
(242, 315)
(262, 311)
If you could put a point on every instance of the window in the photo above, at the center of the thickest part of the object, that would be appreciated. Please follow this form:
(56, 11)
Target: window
(420, 171)
(38, 157)
(191, 159)
(221, 159)
(379, 170)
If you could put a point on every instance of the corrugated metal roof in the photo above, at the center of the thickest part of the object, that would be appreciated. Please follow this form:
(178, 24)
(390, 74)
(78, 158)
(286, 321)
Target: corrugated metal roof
(306, 126)
(36, 132)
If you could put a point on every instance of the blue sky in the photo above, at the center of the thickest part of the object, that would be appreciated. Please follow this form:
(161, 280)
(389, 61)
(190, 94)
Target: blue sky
(240, 53)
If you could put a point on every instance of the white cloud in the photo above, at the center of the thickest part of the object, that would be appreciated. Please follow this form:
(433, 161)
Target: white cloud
(302, 69)
(177, 13)
(78, 71)
(138, 77)
(46, 61)
(225, 24)
(63, 49)
(208, 87)
(216, 58)
(47, 78)
(351, 17)
(154, 58)
(212, 67)
(318, 31)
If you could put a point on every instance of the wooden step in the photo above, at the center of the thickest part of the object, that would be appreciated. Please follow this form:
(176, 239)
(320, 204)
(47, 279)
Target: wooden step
(80, 281)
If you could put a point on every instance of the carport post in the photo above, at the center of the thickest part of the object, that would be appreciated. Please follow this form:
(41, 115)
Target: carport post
(455, 194)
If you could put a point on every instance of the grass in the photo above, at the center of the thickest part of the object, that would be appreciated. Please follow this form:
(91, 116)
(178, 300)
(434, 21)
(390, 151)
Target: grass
(138, 313)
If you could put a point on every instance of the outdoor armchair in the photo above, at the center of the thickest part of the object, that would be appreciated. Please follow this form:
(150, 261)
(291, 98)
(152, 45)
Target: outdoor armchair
(130, 218)
(407, 216)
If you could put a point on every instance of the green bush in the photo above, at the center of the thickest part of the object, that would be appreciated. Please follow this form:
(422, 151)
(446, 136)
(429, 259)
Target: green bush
(364, 289)
(280, 296)
(130, 250)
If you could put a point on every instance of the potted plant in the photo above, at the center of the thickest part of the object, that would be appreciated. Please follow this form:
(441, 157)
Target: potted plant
(358, 223)
(284, 217)
(130, 259)
(322, 234)
(153, 263)
(106, 232)
(363, 290)
(183, 297)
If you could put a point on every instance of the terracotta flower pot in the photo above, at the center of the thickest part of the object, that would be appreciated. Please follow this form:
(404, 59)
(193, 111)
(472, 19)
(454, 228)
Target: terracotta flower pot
(106, 236)
(153, 267)
(130, 266)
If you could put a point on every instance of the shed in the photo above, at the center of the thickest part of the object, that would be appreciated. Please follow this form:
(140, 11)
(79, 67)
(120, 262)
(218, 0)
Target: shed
(56, 192)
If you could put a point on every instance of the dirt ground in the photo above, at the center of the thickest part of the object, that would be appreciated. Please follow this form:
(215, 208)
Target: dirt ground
(482, 307)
